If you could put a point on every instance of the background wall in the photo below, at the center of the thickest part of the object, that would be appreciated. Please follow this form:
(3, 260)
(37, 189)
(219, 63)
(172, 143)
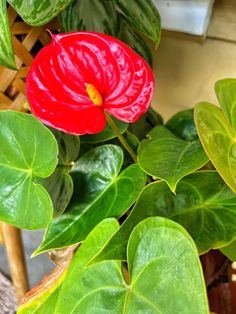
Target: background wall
(186, 67)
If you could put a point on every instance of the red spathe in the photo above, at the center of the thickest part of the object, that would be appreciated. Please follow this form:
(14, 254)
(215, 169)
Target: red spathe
(57, 80)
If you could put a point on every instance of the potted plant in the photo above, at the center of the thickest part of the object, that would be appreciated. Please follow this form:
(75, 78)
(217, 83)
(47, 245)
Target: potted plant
(129, 203)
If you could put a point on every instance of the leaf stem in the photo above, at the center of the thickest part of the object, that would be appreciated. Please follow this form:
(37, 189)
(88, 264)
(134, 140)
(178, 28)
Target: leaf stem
(120, 137)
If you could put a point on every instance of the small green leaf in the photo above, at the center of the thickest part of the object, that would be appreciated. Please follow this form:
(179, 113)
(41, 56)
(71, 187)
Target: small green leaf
(203, 204)
(230, 251)
(38, 12)
(105, 135)
(90, 15)
(28, 150)
(7, 58)
(169, 158)
(99, 192)
(143, 16)
(183, 126)
(132, 39)
(218, 140)
(45, 300)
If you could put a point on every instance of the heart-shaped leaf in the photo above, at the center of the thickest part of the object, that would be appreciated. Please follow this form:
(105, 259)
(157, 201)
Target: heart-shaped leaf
(7, 58)
(217, 130)
(203, 204)
(28, 150)
(45, 295)
(143, 16)
(99, 192)
(38, 12)
(162, 263)
(90, 15)
(106, 134)
(170, 158)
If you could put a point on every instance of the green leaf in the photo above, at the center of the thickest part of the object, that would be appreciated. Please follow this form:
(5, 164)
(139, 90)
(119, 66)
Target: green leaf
(38, 12)
(226, 94)
(160, 132)
(69, 146)
(143, 16)
(60, 188)
(99, 192)
(163, 265)
(218, 140)
(203, 204)
(183, 126)
(91, 15)
(28, 150)
(132, 39)
(7, 58)
(45, 299)
(60, 184)
(105, 135)
(169, 158)
(230, 251)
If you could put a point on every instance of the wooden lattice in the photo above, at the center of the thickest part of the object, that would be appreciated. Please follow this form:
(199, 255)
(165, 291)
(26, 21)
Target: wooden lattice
(27, 41)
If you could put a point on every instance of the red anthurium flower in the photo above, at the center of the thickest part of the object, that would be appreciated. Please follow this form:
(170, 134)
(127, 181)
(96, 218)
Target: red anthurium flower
(78, 76)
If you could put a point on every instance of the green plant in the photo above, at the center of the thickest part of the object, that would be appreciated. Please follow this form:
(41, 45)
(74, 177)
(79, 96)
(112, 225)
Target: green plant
(133, 231)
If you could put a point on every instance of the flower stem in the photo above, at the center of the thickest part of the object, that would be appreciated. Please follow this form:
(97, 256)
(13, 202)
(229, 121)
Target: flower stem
(120, 137)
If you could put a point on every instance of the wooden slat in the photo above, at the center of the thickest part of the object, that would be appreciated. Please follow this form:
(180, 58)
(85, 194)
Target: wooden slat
(18, 103)
(19, 28)
(45, 38)
(22, 52)
(22, 73)
(15, 253)
(32, 37)
(11, 15)
(19, 85)
(4, 100)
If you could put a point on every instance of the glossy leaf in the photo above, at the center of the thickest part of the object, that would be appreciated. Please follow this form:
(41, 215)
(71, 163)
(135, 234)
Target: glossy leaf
(132, 39)
(7, 58)
(90, 15)
(78, 76)
(203, 204)
(28, 150)
(143, 15)
(170, 158)
(39, 12)
(99, 192)
(45, 295)
(106, 134)
(163, 265)
(183, 126)
(230, 251)
(218, 140)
